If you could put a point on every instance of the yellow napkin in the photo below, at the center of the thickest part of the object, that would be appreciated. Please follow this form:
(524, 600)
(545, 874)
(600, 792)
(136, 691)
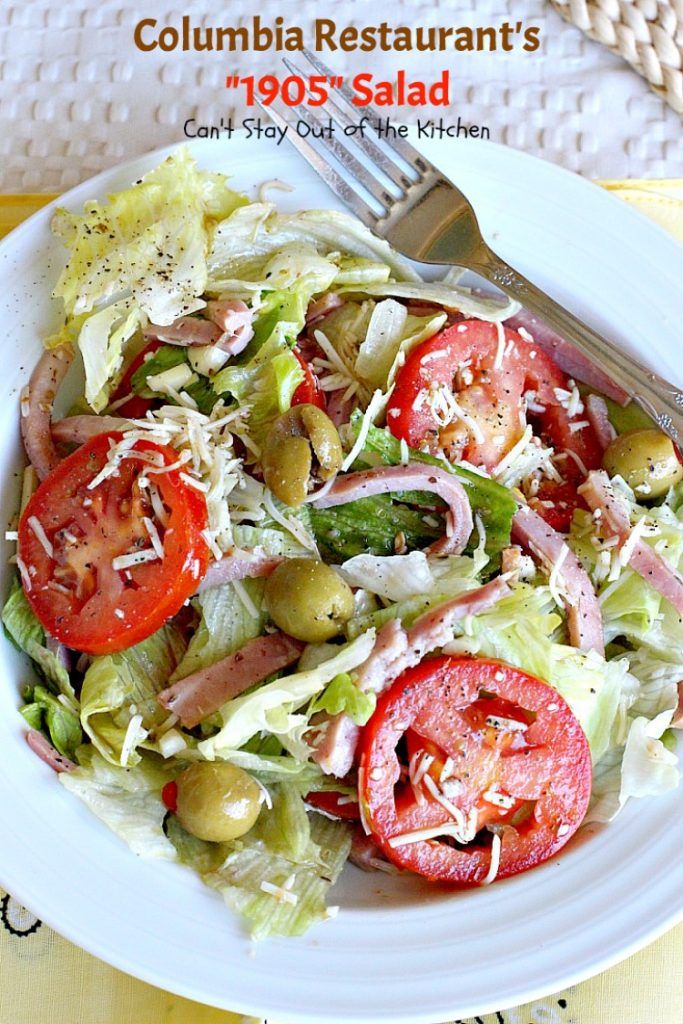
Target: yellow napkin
(45, 978)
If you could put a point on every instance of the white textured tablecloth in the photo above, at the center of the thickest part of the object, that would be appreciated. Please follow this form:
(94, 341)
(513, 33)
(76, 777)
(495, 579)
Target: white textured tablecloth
(76, 96)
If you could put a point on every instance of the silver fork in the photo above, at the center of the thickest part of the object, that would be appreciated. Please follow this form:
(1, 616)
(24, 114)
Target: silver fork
(425, 217)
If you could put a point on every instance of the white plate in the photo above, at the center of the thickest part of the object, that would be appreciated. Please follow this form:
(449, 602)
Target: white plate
(399, 950)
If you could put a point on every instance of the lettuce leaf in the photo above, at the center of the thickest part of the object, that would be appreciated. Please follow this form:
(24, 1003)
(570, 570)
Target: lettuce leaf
(288, 849)
(140, 257)
(248, 236)
(60, 724)
(226, 625)
(264, 385)
(392, 332)
(342, 694)
(28, 635)
(451, 296)
(369, 526)
(127, 800)
(394, 577)
(117, 687)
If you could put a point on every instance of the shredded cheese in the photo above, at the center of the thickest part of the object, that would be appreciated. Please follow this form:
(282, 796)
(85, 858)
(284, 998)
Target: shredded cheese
(375, 406)
(496, 845)
(41, 536)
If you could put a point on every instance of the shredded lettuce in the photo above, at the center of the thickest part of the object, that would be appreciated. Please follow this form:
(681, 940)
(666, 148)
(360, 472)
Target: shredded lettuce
(140, 257)
(264, 385)
(226, 625)
(288, 850)
(450, 296)
(391, 334)
(342, 694)
(28, 635)
(44, 712)
(118, 687)
(127, 800)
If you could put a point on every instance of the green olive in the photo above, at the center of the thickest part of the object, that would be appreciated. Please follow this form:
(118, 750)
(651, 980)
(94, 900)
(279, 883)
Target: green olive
(308, 600)
(217, 801)
(302, 447)
(647, 461)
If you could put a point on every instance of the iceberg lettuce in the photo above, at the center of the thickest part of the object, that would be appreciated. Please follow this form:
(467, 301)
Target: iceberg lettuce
(120, 689)
(140, 257)
(27, 633)
(127, 800)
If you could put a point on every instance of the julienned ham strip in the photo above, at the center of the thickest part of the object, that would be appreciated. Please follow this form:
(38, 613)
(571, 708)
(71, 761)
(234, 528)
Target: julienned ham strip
(393, 479)
(601, 497)
(584, 620)
(208, 689)
(36, 408)
(397, 649)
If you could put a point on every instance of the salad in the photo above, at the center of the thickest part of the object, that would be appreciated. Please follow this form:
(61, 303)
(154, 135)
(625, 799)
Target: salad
(326, 562)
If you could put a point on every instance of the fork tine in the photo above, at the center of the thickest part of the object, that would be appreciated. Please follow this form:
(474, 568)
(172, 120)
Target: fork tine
(345, 156)
(379, 157)
(400, 146)
(326, 172)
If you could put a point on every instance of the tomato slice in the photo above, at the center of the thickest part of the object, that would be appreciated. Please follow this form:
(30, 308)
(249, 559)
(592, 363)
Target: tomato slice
(489, 374)
(136, 407)
(308, 391)
(336, 804)
(502, 751)
(70, 533)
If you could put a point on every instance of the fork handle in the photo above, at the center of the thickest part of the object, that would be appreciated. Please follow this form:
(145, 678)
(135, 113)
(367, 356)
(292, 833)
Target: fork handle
(659, 398)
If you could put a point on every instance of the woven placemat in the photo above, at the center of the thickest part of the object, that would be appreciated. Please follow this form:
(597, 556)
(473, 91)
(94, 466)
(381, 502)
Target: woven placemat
(646, 33)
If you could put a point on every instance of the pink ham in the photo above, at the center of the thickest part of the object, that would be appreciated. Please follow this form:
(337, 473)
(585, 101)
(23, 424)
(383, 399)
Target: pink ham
(41, 746)
(240, 565)
(388, 658)
(598, 416)
(334, 740)
(339, 408)
(415, 476)
(566, 356)
(186, 331)
(677, 720)
(435, 627)
(205, 691)
(614, 521)
(234, 319)
(548, 546)
(396, 649)
(36, 408)
(79, 429)
(318, 308)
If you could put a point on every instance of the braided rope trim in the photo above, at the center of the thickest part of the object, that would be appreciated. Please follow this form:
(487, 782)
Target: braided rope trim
(646, 33)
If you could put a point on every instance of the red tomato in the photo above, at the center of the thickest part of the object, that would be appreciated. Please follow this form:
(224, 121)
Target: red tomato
(331, 803)
(75, 591)
(468, 360)
(169, 796)
(309, 391)
(136, 407)
(532, 778)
